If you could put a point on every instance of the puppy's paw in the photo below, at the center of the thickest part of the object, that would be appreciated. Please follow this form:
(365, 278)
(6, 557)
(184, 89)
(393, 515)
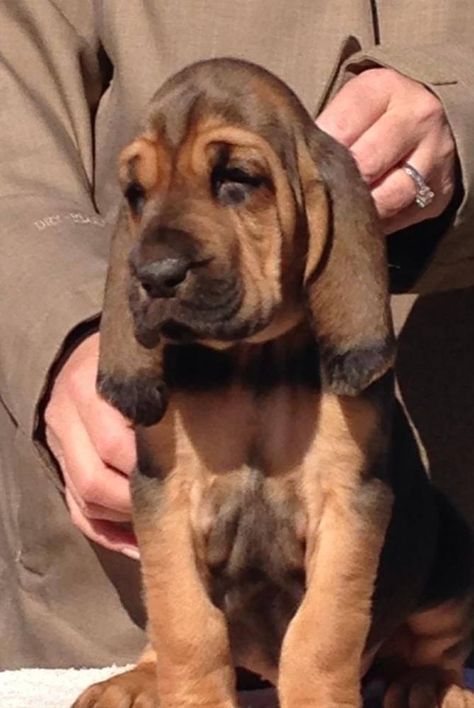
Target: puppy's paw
(142, 398)
(132, 689)
(423, 692)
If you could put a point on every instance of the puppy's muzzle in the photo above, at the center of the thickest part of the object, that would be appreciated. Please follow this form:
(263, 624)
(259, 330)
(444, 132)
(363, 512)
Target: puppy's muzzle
(173, 293)
(162, 261)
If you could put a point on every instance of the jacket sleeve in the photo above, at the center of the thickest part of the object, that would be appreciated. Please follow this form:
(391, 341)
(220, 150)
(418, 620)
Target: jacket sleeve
(437, 254)
(53, 243)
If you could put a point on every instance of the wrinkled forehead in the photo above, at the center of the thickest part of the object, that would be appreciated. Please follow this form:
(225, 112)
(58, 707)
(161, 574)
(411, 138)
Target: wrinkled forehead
(225, 92)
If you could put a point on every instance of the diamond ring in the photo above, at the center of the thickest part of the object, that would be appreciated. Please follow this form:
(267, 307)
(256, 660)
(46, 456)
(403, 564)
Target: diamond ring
(424, 195)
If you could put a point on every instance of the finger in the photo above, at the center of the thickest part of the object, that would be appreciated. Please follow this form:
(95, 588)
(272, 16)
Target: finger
(95, 511)
(106, 534)
(409, 217)
(53, 444)
(356, 107)
(111, 435)
(385, 144)
(413, 214)
(75, 388)
(397, 205)
(92, 481)
(395, 194)
(98, 486)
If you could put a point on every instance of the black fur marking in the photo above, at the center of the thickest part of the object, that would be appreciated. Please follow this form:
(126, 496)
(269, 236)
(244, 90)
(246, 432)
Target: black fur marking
(427, 555)
(276, 366)
(257, 567)
(136, 197)
(452, 572)
(147, 464)
(199, 368)
(142, 399)
(349, 373)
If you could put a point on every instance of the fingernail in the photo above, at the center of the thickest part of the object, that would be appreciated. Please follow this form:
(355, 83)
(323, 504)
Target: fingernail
(131, 552)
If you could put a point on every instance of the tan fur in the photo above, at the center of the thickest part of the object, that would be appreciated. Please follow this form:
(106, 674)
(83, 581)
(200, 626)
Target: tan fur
(140, 161)
(342, 560)
(183, 622)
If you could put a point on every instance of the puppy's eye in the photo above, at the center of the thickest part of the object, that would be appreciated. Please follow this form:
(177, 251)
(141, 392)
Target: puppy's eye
(135, 196)
(232, 185)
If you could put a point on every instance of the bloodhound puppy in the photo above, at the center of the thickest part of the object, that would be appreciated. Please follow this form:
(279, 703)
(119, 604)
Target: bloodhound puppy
(284, 520)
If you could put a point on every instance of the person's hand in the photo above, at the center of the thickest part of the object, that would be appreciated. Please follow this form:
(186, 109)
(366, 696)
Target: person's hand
(386, 119)
(94, 446)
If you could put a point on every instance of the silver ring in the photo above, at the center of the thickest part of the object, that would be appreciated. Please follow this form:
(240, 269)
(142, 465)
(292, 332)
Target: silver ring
(424, 195)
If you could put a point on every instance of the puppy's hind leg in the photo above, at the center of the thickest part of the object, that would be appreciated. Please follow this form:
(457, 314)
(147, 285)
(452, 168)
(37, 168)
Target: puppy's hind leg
(433, 646)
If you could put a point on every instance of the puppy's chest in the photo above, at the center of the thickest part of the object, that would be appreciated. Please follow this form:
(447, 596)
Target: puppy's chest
(245, 454)
(256, 407)
(245, 457)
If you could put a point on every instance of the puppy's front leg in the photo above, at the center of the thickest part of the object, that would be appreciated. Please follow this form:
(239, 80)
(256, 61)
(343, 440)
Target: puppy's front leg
(348, 513)
(320, 664)
(188, 633)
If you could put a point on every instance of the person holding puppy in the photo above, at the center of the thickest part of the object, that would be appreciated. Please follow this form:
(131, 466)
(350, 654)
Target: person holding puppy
(396, 91)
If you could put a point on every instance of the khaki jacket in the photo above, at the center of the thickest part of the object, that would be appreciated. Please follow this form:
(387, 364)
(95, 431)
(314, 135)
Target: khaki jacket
(75, 79)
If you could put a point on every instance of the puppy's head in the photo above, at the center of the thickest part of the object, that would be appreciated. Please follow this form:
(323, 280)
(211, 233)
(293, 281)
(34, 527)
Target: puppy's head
(247, 219)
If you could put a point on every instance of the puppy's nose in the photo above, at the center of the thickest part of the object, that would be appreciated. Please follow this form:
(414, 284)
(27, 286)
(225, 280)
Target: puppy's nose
(160, 278)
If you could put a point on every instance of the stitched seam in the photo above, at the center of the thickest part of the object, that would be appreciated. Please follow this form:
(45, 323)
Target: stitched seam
(375, 20)
(8, 412)
(73, 27)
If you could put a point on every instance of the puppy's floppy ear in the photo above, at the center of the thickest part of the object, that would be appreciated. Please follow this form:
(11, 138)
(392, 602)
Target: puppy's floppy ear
(130, 376)
(346, 270)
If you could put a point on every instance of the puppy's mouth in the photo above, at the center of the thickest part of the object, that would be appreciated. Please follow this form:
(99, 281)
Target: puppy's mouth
(209, 312)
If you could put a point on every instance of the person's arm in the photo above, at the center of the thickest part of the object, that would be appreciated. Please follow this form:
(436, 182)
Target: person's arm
(53, 243)
(437, 254)
(53, 253)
